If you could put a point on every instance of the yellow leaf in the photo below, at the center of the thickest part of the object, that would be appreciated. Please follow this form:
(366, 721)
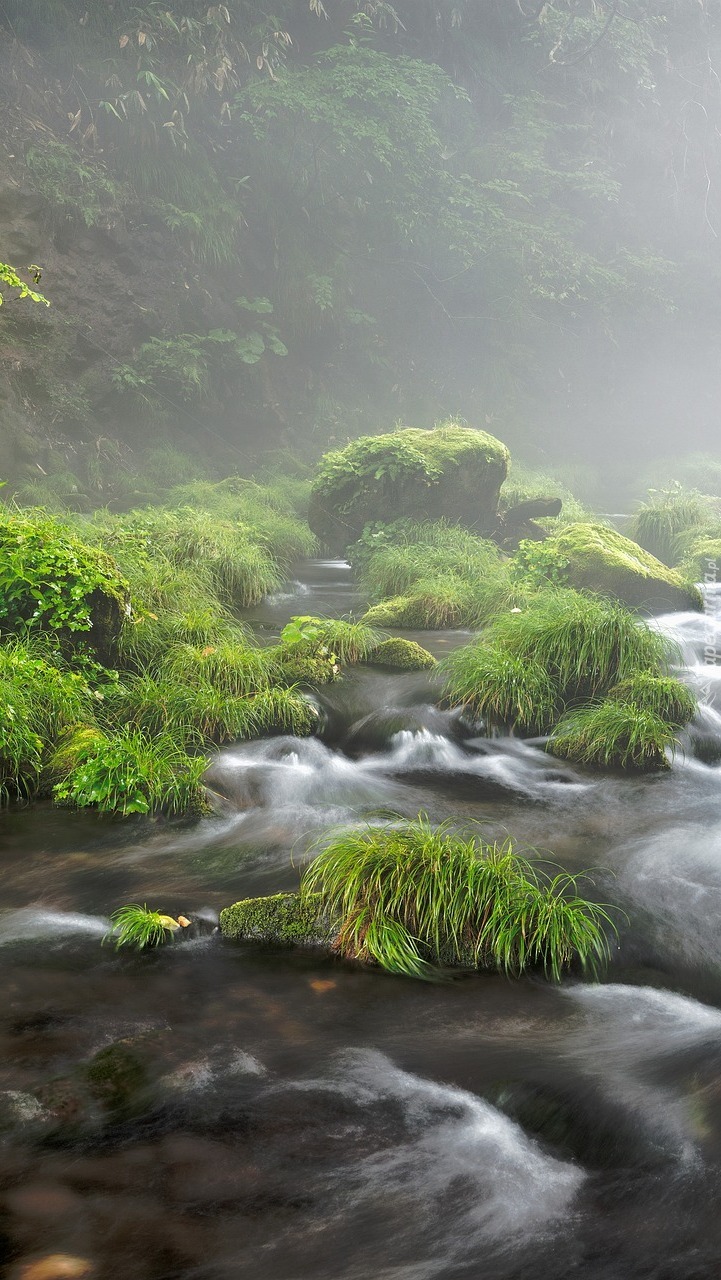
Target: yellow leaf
(123, 41)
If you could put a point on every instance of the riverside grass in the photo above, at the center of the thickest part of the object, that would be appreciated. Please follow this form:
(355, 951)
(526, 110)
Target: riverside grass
(188, 675)
(664, 523)
(412, 898)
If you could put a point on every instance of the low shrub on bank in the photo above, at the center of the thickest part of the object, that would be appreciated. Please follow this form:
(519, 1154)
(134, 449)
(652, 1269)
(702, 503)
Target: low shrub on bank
(410, 897)
(130, 771)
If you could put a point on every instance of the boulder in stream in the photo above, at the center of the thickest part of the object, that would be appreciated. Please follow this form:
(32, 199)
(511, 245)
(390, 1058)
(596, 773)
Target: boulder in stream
(452, 472)
(401, 655)
(283, 920)
(594, 557)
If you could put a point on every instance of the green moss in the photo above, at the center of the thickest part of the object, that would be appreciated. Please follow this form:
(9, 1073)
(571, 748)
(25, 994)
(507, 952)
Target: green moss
(596, 558)
(452, 472)
(285, 919)
(405, 655)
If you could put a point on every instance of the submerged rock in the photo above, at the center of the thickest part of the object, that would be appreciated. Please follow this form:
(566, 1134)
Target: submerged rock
(284, 919)
(595, 558)
(453, 473)
(402, 655)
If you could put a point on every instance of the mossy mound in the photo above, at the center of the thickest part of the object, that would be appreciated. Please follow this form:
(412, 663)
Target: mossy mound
(453, 473)
(283, 920)
(702, 562)
(595, 558)
(402, 655)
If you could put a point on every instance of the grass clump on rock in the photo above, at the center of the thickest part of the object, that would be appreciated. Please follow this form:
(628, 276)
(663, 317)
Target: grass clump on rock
(586, 660)
(614, 734)
(411, 898)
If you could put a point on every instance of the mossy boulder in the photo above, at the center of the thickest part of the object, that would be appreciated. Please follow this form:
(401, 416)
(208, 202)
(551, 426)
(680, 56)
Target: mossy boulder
(402, 655)
(593, 557)
(283, 920)
(453, 473)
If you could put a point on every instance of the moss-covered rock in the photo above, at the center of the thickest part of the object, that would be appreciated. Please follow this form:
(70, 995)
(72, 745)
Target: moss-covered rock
(453, 473)
(595, 558)
(403, 655)
(284, 920)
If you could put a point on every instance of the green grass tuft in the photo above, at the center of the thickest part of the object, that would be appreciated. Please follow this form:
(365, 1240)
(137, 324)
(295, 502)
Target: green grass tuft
(139, 927)
(411, 897)
(499, 687)
(614, 734)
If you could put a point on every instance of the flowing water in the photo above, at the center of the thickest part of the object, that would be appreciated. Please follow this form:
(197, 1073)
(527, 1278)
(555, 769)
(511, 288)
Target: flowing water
(218, 1111)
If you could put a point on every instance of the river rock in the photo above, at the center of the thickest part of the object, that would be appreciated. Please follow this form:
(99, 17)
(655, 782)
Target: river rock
(55, 1266)
(284, 919)
(594, 557)
(453, 473)
(401, 655)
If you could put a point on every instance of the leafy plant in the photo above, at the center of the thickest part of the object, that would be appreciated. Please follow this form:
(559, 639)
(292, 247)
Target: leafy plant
(411, 897)
(51, 580)
(129, 771)
(9, 279)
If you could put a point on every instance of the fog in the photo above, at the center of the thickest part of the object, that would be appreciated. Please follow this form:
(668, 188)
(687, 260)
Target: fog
(284, 232)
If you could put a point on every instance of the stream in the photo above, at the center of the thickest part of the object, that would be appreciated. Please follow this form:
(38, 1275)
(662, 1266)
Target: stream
(281, 1116)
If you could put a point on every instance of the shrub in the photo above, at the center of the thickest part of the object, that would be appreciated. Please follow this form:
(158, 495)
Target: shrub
(614, 734)
(52, 581)
(410, 897)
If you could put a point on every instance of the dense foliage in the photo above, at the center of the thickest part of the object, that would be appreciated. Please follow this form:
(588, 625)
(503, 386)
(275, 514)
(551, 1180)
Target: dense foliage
(502, 199)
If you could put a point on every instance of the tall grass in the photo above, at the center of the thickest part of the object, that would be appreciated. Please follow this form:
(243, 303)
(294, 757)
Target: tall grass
(660, 524)
(39, 699)
(500, 688)
(199, 715)
(411, 897)
(614, 734)
(584, 642)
